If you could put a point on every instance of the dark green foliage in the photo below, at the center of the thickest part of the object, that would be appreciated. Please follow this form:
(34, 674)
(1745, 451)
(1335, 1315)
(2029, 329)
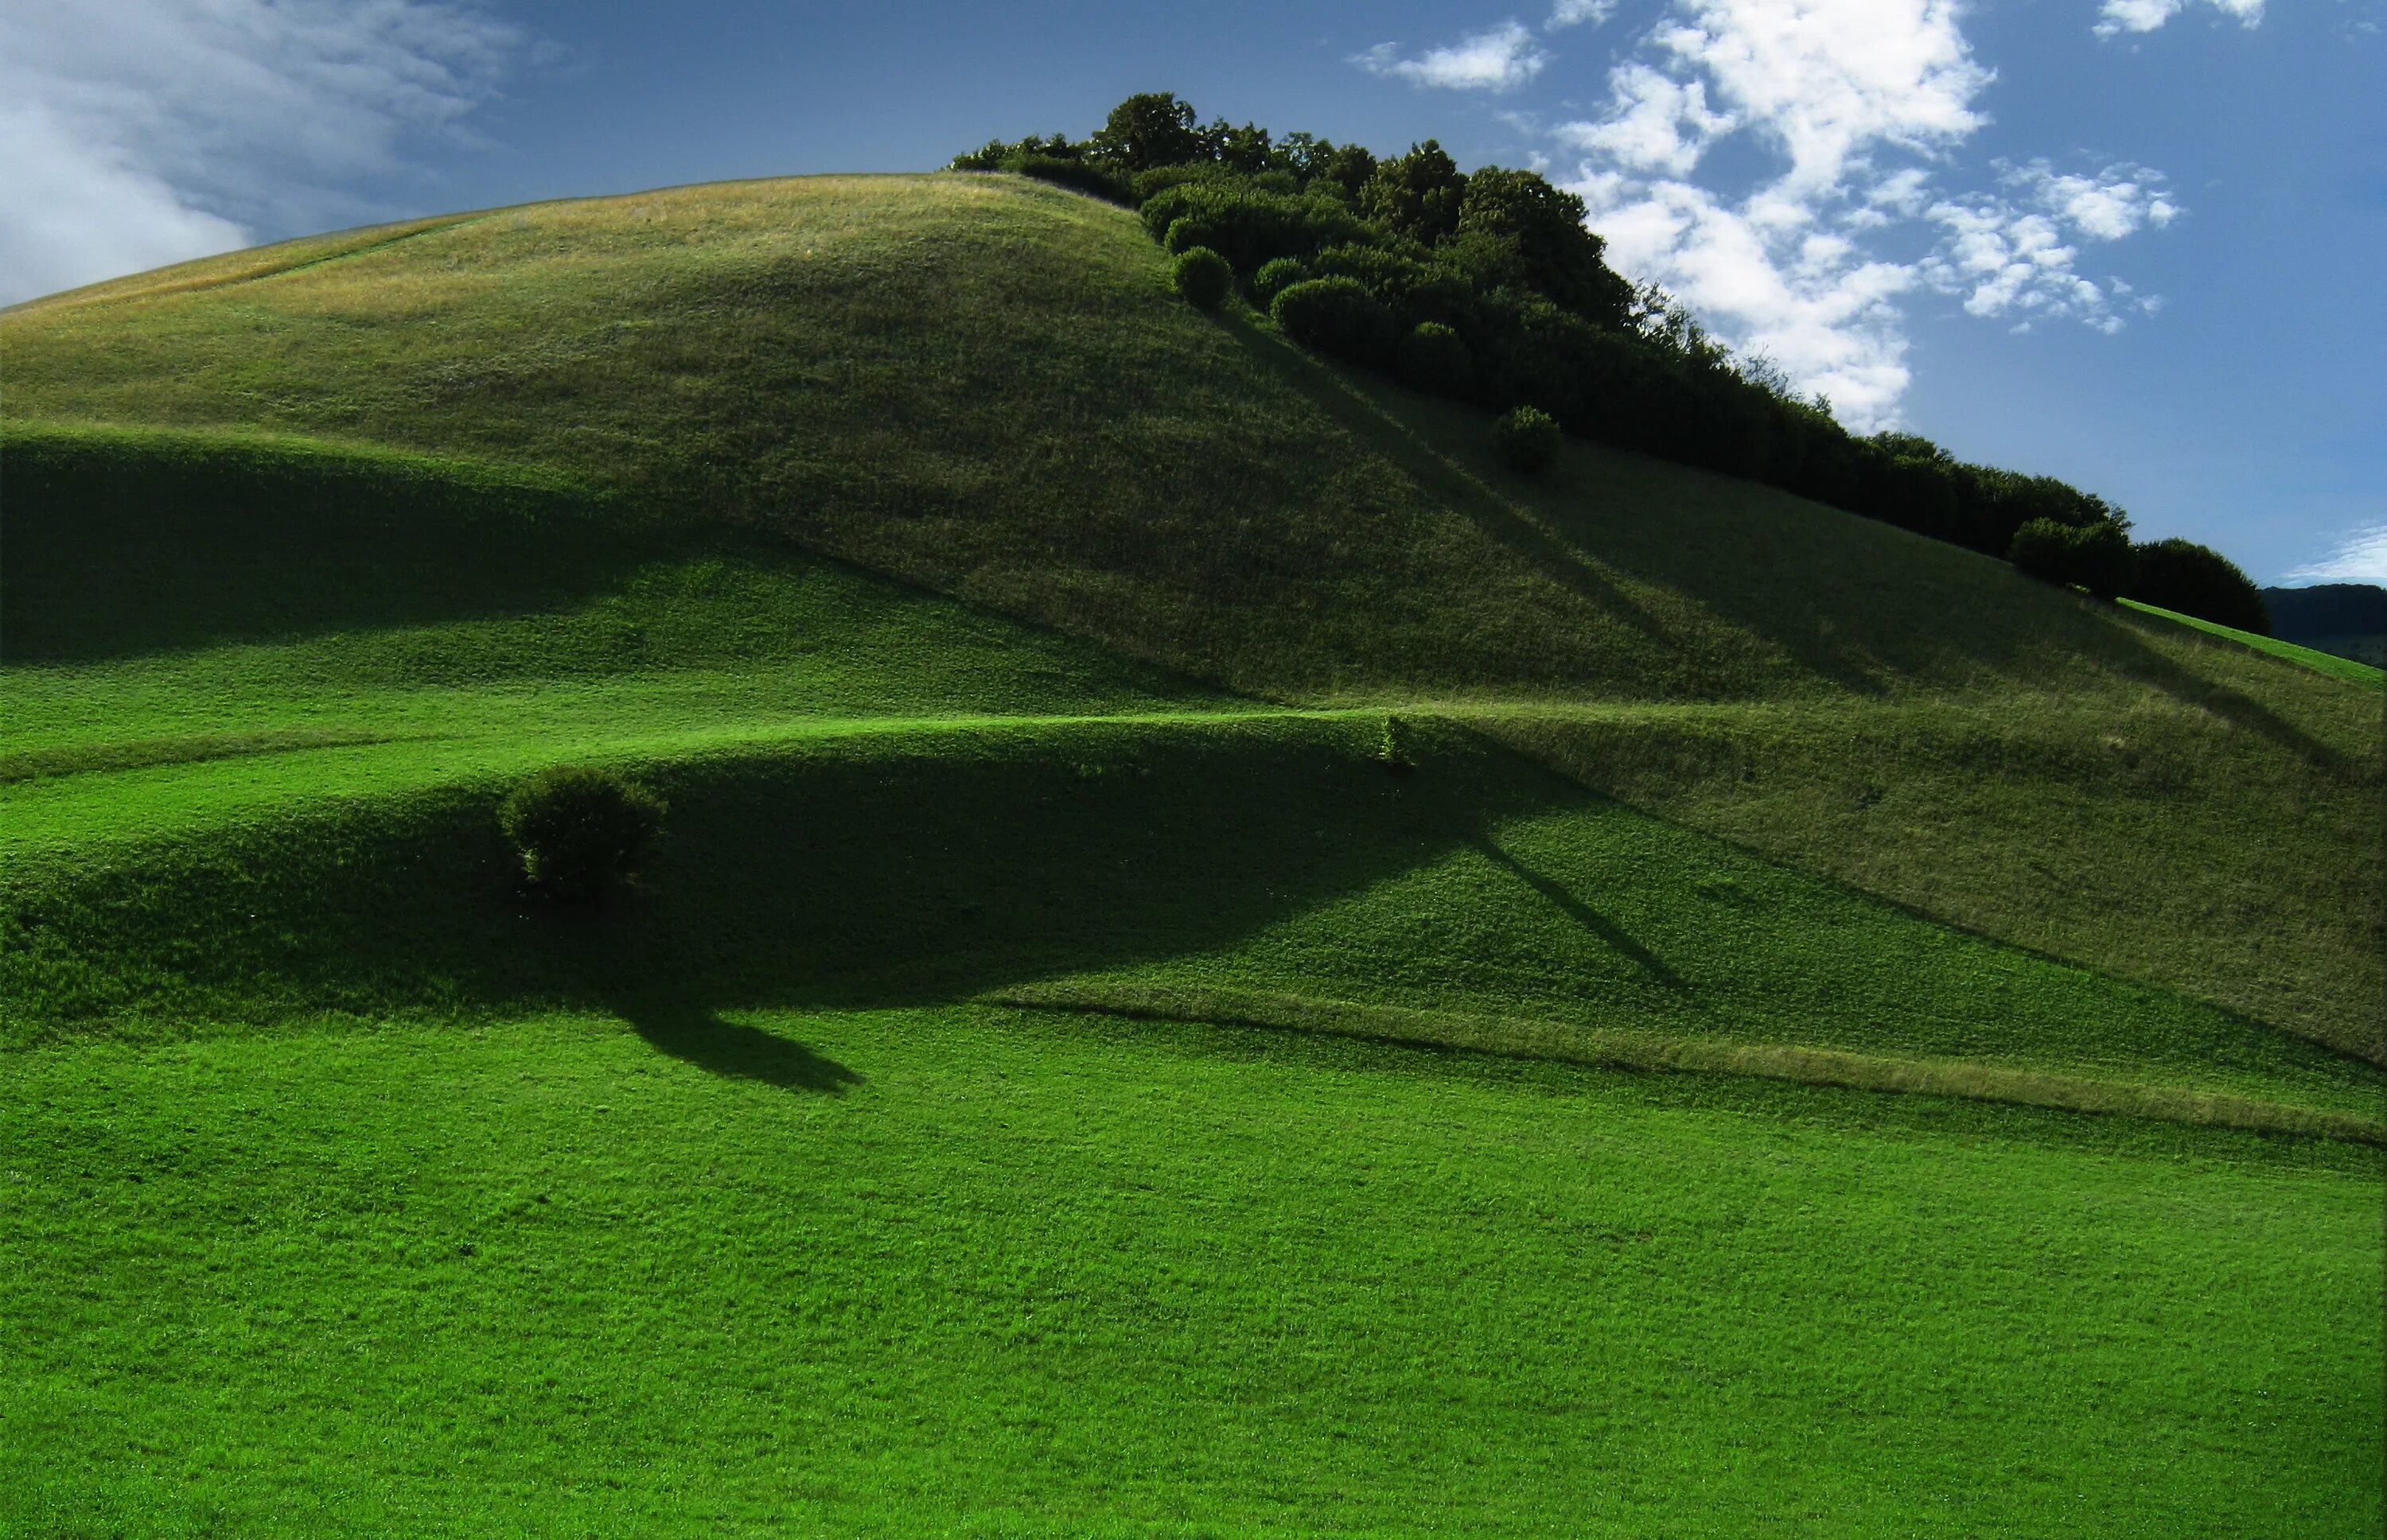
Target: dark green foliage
(1502, 259)
(2095, 557)
(580, 831)
(1202, 276)
(1414, 290)
(1151, 129)
(1517, 231)
(1396, 748)
(2196, 580)
(1434, 359)
(2102, 558)
(2042, 548)
(1337, 315)
(1246, 224)
(1274, 277)
(1526, 439)
(1418, 195)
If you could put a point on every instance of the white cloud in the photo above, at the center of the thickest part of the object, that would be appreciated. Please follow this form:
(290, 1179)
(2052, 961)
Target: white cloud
(2360, 557)
(143, 131)
(1857, 104)
(1574, 13)
(1655, 124)
(1499, 59)
(2145, 16)
(2016, 256)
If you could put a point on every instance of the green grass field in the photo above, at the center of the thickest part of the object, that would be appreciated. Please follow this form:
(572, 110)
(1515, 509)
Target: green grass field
(1821, 1037)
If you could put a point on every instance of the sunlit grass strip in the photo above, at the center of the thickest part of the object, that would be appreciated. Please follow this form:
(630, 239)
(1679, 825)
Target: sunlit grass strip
(1525, 1038)
(2312, 658)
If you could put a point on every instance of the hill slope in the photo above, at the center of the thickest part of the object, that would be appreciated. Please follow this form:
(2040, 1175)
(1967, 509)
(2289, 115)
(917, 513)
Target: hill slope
(1177, 876)
(981, 384)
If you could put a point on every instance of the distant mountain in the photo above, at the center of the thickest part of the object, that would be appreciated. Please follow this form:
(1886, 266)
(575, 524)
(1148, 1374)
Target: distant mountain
(2348, 619)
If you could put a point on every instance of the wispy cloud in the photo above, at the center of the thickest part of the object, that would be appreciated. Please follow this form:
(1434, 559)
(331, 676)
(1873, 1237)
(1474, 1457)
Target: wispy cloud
(1499, 59)
(1575, 13)
(2145, 16)
(2360, 557)
(143, 132)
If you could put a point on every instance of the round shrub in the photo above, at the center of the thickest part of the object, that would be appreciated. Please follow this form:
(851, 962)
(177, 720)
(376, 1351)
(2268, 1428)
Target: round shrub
(2197, 580)
(1184, 234)
(1433, 360)
(1274, 277)
(1337, 315)
(1526, 439)
(1202, 276)
(580, 831)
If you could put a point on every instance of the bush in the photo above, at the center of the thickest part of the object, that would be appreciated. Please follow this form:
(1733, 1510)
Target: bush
(2095, 557)
(1202, 276)
(2042, 548)
(1337, 315)
(1274, 278)
(2197, 580)
(1527, 440)
(580, 832)
(1435, 360)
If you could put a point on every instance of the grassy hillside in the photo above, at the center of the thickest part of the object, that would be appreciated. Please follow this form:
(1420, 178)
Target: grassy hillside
(981, 386)
(1219, 965)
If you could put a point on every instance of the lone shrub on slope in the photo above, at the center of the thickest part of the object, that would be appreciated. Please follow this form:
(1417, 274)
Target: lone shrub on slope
(580, 832)
(1202, 276)
(1527, 440)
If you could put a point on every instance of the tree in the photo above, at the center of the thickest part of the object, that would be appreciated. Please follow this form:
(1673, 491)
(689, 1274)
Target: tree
(2197, 580)
(1515, 227)
(1151, 129)
(1418, 195)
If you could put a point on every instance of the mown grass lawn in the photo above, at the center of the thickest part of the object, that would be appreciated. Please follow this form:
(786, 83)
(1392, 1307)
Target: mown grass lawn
(968, 1272)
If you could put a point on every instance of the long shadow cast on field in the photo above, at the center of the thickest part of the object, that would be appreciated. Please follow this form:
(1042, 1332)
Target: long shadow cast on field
(697, 1035)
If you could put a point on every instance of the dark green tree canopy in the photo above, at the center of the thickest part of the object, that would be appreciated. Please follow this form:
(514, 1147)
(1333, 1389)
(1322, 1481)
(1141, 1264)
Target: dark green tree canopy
(1154, 129)
(1418, 195)
(1488, 287)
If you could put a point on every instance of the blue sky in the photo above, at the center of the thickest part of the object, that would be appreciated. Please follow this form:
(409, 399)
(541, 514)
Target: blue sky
(2132, 242)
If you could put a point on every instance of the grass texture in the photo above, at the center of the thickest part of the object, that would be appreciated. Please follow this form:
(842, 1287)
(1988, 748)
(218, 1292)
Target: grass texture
(961, 1272)
(999, 628)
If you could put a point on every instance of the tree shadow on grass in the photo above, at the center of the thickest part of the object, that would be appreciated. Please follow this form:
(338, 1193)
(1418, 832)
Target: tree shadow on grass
(697, 1035)
(1617, 937)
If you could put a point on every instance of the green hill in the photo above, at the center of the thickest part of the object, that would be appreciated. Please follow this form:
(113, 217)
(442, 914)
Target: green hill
(1045, 942)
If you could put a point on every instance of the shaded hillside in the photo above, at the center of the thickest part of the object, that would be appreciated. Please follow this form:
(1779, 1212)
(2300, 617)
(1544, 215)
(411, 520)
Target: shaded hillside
(982, 386)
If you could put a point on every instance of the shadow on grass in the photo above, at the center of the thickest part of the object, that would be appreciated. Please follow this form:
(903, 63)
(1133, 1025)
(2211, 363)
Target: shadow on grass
(1615, 936)
(855, 874)
(696, 1035)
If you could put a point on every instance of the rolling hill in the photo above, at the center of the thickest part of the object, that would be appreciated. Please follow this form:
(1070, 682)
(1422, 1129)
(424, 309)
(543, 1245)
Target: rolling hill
(1059, 1071)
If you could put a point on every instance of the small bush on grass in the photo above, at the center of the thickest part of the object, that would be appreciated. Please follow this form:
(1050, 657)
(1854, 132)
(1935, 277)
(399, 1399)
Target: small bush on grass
(1527, 440)
(1274, 278)
(1393, 751)
(580, 832)
(1337, 315)
(1202, 276)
